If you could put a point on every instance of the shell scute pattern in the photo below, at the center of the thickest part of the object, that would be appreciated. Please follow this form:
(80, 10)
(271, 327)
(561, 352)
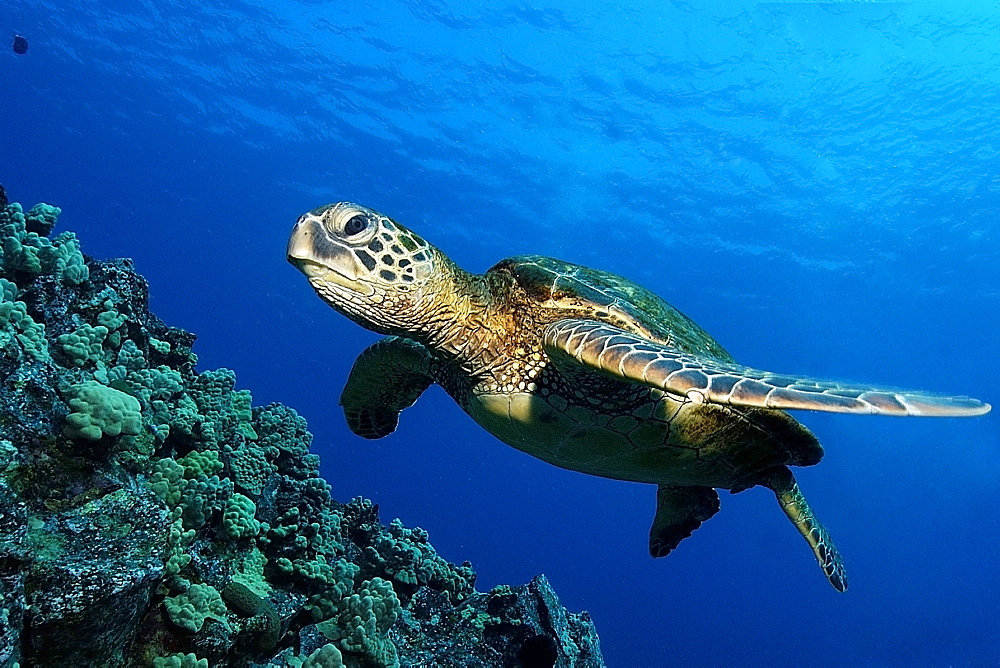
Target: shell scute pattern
(585, 292)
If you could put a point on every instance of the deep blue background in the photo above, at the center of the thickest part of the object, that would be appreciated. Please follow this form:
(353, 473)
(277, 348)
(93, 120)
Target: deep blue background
(818, 185)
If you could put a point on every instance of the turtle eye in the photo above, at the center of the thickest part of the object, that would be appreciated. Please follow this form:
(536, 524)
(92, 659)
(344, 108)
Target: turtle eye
(356, 225)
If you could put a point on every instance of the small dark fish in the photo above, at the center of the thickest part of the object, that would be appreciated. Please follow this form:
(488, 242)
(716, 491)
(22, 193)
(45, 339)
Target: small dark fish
(20, 45)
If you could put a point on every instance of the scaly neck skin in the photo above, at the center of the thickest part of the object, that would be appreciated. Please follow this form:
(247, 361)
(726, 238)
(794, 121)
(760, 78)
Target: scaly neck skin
(460, 321)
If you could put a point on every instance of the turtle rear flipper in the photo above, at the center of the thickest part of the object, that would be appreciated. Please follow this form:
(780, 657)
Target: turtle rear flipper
(679, 511)
(790, 498)
(386, 378)
(620, 354)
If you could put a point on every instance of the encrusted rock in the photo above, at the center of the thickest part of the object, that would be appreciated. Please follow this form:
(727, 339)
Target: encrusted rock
(123, 538)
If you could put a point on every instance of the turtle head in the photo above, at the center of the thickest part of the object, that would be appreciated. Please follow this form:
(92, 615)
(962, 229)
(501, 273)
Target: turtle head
(365, 265)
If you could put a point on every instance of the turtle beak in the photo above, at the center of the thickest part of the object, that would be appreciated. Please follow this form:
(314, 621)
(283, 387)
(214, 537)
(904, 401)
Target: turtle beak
(323, 259)
(314, 252)
(300, 251)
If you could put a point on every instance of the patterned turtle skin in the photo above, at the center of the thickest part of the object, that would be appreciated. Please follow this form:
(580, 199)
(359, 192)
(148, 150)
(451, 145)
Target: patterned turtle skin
(580, 368)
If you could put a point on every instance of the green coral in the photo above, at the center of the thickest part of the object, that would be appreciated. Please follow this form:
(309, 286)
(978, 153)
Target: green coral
(110, 317)
(189, 660)
(181, 416)
(151, 385)
(245, 502)
(238, 517)
(327, 656)
(212, 392)
(408, 557)
(251, 465)
(42, 216)
(130, 358)
(99, 411)
(84, 345)
(202, 497)
(162, 347)
(30, 253)
(363, 622)
(8, 290)
(284, 429)
(17, 325)
(65, 259)
(189, 486)
(167, 481)
(184, 484)
(177, 543)
(249, 571)
(209, 411)
(201, 463)
(310, 528)
(190, 609)
(333, 582)
(243, 411)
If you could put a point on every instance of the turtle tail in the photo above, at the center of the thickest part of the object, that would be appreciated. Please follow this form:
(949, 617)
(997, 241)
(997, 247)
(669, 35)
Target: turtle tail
(793, 502)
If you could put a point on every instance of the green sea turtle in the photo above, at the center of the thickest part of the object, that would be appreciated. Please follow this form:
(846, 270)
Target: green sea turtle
(580, 368)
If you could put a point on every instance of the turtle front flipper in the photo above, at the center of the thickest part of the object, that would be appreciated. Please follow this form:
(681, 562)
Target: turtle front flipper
(679, 511)
(790, 498)
(620, 354)
(386, 378)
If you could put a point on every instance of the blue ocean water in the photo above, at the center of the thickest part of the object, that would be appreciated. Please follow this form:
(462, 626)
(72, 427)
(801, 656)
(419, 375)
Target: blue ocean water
(816, 184)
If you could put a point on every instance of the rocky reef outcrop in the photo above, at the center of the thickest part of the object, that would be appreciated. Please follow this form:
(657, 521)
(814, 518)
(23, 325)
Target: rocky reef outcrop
(151, 515)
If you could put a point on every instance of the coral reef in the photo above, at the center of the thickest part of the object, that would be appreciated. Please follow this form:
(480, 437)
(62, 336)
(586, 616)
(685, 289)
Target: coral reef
(151, 516)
